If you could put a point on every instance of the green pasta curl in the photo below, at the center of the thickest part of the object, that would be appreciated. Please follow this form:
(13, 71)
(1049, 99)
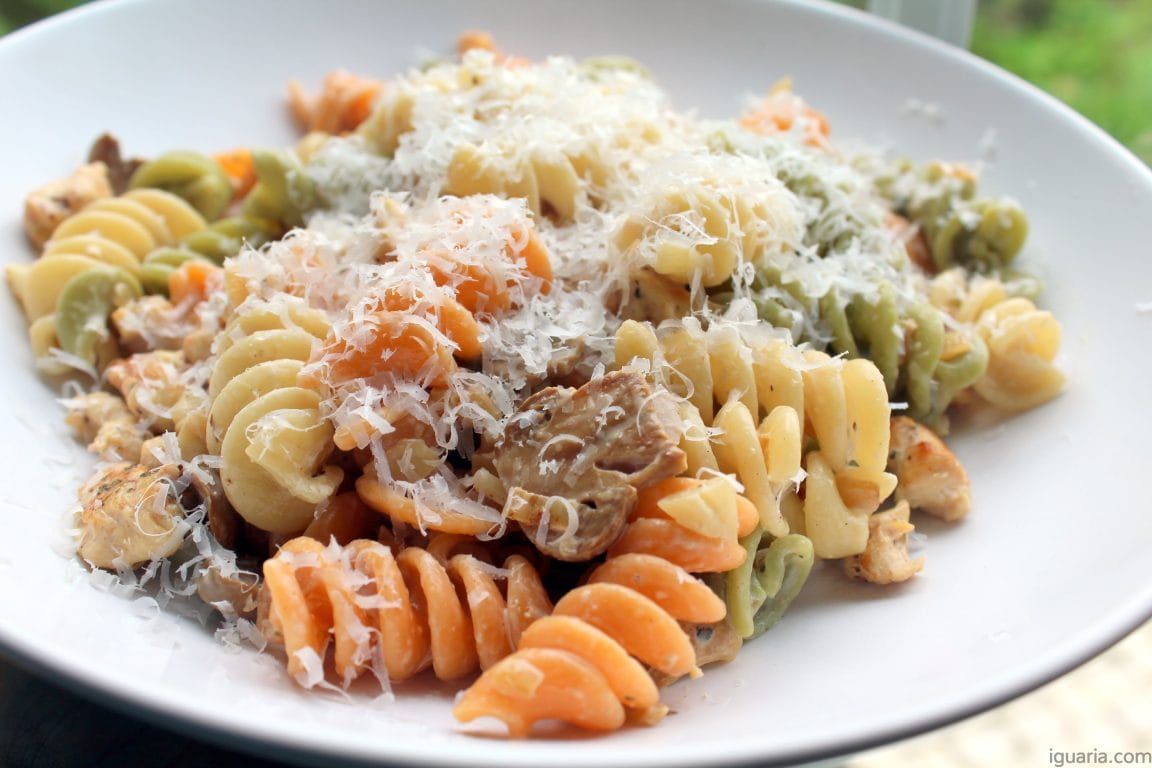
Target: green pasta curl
(984, 234)
(761, 589)
(864, 328)
(224, 238)
(84, 305)
(283, 192)
(195, 177)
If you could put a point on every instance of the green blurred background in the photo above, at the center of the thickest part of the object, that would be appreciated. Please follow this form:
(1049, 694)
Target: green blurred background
(1095, 55)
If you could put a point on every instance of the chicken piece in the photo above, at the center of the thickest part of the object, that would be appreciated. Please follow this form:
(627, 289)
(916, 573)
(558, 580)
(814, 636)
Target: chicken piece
(129, 515)
(105, 424)
(151, 323)
(197, 345)
(885, 558)
(573, 459)
(156, 388)
(46, 207)
(929, 476)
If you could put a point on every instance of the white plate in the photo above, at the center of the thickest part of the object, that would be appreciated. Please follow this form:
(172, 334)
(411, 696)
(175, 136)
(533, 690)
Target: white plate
(1050, 569)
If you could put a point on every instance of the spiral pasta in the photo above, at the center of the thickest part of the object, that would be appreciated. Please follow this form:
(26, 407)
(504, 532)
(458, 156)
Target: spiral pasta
(345, 101)
(592, 648)
(279, 197)
(91, 264)
(404, 611)
(540, 148)
(759, 590)
(842, 405)
(265, 422)
(546, 181)
(192, 176)
(961, 227)
(924, 360)
(706, 221)
(1021, 340)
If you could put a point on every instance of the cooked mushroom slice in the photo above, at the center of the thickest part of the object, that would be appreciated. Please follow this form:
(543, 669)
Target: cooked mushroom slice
(106, 149)
(223, 521)
(229, 589)
(572, 460)
(129, 515)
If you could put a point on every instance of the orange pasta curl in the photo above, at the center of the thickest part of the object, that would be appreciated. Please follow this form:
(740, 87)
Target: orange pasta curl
(401, 334)
(478, 40)
(395, 614)
(194, 281)
(627, 616)
(486, 282)
(653, 531)
(782, 111)
(345, 101)
(240, 169)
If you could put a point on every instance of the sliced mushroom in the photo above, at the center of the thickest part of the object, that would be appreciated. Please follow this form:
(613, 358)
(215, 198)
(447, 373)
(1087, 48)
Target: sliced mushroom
(573, 459)
(106, 149)
(225, 524)
(229, 589)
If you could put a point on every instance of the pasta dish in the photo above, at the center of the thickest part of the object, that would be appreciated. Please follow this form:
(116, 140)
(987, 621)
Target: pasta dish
(510, 373)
